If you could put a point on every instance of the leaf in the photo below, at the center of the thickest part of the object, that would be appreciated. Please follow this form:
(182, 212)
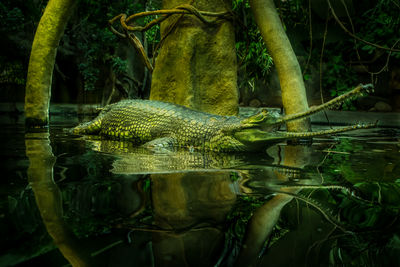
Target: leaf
(367, 48)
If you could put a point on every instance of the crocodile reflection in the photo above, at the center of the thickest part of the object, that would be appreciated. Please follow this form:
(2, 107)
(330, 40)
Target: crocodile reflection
(138, 160)
(189, 209)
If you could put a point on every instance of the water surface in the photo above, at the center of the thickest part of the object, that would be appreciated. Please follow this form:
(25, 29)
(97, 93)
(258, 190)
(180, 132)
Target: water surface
(85, 201)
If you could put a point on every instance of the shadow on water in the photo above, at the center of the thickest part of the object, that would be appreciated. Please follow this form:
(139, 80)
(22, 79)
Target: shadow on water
(106, 203)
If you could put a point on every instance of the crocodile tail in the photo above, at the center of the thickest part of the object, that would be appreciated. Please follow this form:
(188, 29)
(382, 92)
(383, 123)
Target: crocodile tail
(91, 127)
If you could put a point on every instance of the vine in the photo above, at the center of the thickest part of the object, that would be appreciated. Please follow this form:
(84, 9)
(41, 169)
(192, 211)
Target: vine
(128, 30)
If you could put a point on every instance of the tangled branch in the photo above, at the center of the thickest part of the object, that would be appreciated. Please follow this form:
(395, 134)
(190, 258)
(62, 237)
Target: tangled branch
(185, 9)
(355, 36)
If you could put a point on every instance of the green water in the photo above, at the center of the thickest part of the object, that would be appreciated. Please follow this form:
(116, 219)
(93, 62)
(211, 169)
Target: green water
(82, 201)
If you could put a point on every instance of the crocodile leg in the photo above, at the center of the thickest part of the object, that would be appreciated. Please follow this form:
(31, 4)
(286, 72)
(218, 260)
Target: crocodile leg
(163, 142)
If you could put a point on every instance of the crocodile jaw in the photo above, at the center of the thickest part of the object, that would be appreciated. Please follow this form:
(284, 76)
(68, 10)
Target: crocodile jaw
(256, 139)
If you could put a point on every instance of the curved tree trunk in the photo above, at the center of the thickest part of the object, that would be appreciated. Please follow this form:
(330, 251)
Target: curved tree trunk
(196, 66)
(259, 229)
(291, 79)
(41, 63)
(48, 197)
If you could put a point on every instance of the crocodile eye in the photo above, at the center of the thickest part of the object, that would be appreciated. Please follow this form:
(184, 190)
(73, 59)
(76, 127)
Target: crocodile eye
(262, 115)
(258, 117)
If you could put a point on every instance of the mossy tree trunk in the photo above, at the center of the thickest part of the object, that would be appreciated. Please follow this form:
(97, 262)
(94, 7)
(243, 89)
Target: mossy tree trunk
(196, 66)
(294, 97)
(294, 100)
(41, 63)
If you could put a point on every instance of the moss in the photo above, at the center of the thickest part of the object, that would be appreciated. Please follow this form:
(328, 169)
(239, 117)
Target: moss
(41, 63)
(188, 68)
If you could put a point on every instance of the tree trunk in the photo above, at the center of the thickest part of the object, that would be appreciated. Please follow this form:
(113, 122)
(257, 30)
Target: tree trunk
(294, 97)
(41, 63)
(294, 100)
(49, 199)
(196, 66)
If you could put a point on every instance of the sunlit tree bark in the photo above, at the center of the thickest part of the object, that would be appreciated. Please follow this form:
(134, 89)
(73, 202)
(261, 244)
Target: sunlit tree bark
(41, 62)
(291, 80)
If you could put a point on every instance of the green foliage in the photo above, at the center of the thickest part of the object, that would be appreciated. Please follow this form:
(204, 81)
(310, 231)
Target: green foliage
(379, 25)
(146, 185)
(17, 22)
(238, 4)
(90, 74)
(341, 164)
(235, 176)
(11, 18)
(152, 34)
(94, 41)
(257, 54)
(255, 61)
(374, 21)
(380, 194)
(90, 207)
(242, 213)
(371, 210)
(294, 13)
(338, 77)
(118, 65)
(18, 16)
(12, 72)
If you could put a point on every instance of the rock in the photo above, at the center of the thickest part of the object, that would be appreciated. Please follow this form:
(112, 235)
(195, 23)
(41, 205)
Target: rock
(368, 102)
(255, 103)
(383, 107)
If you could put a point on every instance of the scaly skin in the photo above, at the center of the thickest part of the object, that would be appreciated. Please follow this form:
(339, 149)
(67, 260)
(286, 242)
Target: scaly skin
(159, 124)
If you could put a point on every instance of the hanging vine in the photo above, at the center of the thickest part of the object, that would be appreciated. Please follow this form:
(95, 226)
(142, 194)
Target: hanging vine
(128, 30)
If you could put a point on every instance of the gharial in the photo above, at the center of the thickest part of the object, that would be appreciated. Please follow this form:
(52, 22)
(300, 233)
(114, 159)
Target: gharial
(160, 124)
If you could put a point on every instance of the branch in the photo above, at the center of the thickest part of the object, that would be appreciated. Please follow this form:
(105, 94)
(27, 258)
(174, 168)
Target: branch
(139, 47)
(184, 9)
(355, 36)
